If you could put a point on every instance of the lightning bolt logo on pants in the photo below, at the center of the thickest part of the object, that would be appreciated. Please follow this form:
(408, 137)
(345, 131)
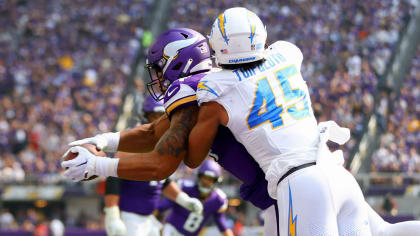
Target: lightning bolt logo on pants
(292, 220)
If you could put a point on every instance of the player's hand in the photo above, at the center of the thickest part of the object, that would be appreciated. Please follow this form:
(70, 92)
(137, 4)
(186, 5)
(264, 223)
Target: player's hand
(82, 167)
(107, 142)
(189, 203)
(114, 226)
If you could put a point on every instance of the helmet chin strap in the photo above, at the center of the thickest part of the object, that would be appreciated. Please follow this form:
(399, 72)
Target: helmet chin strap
(187, 66)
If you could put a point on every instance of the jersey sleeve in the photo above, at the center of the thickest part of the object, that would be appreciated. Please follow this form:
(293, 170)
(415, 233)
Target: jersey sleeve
(223, 201)
(289, 51)
(219, 216)
(165, 204)
(207, 90)
(220, 220)
(179, 95)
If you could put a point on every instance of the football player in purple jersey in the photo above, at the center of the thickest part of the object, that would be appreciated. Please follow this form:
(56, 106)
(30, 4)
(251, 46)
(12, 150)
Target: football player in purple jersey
(177, 61)
(137, 200)
(184, 223)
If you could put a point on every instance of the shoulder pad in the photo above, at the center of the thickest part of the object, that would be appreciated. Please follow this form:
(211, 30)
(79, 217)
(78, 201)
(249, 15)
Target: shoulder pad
(187, 183)
(290, 51)
(220, 193)
(181, 93)
(223, 200)
(213, 85)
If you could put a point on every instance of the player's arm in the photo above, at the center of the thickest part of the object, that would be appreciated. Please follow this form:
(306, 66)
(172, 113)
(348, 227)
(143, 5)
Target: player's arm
(220, 220)
(210, 116)
(112, 192)
(169, 151)
(228, 232)
(159, 164)
(142, 138)
(175, 194)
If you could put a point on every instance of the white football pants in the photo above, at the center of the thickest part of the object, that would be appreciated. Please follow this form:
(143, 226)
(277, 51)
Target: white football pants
(378, 226)
(140, 225)
(170, 230)
(270, 216)
(322, 201)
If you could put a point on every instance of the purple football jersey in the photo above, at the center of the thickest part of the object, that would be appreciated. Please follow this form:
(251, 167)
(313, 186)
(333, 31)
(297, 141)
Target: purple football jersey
(182, 93)
(189, 223)
(140, 197)
(234, 158)
(228, 152)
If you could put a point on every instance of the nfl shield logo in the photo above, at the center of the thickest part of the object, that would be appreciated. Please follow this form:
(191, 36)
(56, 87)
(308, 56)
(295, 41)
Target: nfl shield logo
(252, 47)
(203, 49)
(224, 51)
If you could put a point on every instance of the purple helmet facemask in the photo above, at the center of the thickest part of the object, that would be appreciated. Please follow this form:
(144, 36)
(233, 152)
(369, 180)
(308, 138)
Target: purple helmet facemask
(175, 54)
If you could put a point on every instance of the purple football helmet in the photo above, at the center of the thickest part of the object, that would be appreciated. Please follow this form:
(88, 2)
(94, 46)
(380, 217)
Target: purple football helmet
(151, 105)
(175, 54)
(211, 169)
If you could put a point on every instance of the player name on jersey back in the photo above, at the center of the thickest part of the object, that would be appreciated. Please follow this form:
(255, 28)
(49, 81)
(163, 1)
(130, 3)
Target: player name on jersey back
(270, 62)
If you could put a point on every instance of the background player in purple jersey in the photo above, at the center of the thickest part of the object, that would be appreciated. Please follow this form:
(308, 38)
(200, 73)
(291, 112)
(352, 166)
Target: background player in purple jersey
(184, 223)
(137, 200)
(183, 55)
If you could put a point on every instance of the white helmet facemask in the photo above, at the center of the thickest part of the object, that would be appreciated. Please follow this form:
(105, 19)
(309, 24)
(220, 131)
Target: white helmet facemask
(238, 36)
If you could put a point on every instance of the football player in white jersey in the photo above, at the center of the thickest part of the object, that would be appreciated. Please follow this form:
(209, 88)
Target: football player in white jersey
(262, 98)
(146, 166)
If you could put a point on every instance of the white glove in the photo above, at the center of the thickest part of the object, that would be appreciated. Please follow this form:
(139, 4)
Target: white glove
(87, 164)
(107, 142)
(114, 226)
(329, 130)
(189, 203)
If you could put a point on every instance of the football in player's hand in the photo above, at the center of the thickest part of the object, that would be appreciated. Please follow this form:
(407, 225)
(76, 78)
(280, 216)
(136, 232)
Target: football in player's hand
(91, 148)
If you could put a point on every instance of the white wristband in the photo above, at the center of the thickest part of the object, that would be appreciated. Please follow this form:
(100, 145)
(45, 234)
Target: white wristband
(182, 198)
(106, 166)
(113, 140)
(112, 212)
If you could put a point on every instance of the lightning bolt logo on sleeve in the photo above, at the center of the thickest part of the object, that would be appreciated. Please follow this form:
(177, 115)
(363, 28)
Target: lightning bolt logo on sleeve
(202, 86)
(292, 220)
(221, 22)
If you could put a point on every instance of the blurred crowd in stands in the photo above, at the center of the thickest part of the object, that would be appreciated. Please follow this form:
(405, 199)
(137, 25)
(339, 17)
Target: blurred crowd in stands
(346, 46)
(399, 146)
(63, 70)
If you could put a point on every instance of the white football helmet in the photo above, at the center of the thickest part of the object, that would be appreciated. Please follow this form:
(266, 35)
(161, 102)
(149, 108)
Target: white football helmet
(238, 36)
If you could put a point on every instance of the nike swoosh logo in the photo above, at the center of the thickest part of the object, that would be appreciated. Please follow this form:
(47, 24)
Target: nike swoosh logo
(81, 164)
(170, 92)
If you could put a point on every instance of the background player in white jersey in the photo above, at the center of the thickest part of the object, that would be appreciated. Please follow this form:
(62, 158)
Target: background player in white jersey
(143, 139)
(137, 200)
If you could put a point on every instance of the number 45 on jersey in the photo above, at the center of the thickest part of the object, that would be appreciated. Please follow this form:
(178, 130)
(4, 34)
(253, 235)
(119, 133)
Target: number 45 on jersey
(272, 101)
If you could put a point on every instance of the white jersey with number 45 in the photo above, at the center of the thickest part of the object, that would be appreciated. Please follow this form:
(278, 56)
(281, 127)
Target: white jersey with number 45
(269, 109)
